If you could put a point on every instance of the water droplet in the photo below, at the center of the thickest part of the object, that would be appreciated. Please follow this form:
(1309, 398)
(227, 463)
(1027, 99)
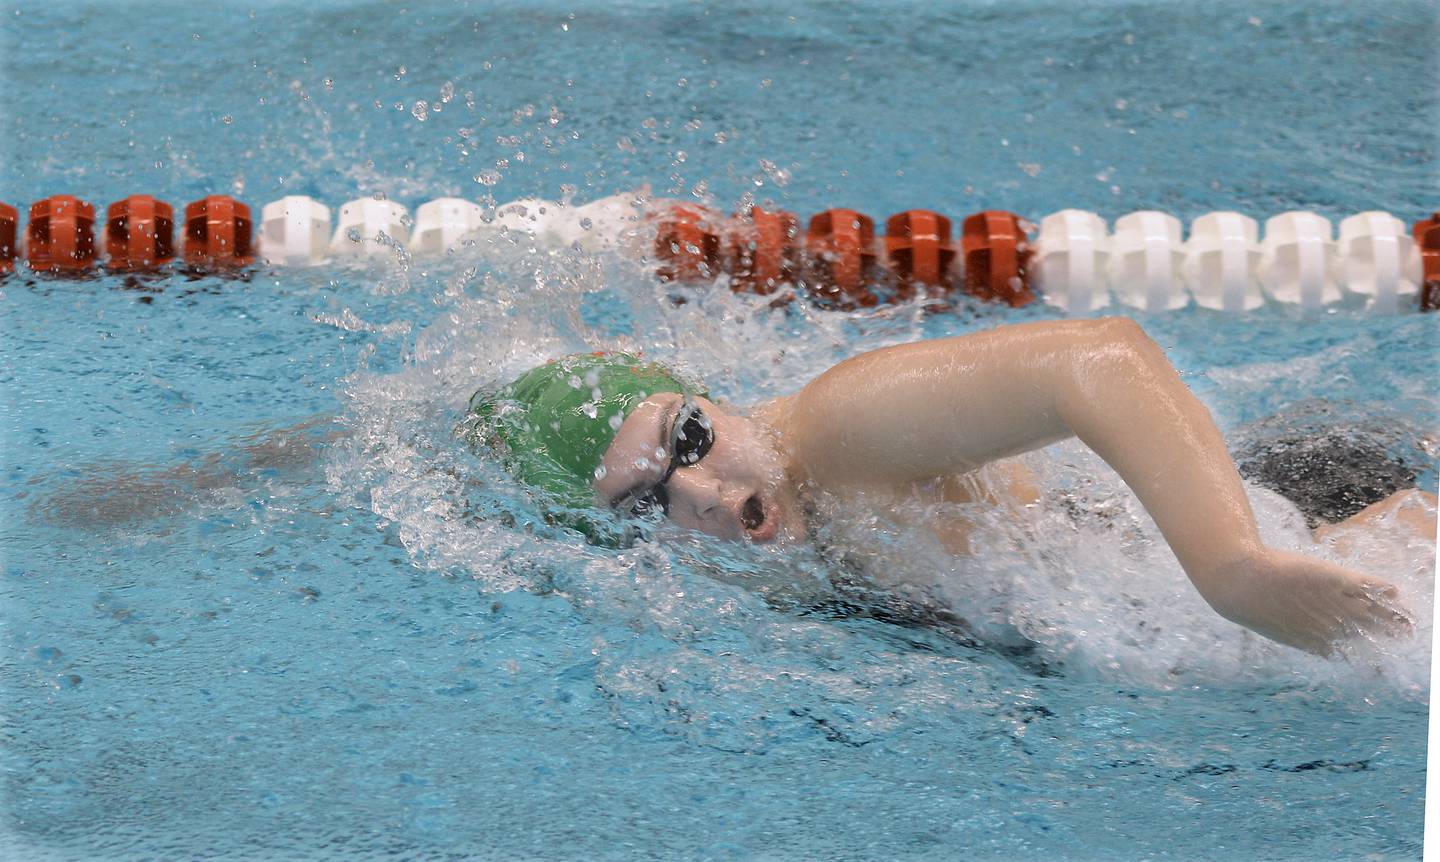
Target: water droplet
(488, 178)
(778, 175)
(329, 83)
(420, 111)
(227, 119)
(447, 91)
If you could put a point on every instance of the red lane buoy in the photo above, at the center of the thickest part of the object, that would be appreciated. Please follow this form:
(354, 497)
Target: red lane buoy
(687, 243)
(917, 244)
(840, 247)
(1427, 242)
(61, 235)
(218, 234)
(763, 251)
(139, 234)
(9, 218)
(997, 257)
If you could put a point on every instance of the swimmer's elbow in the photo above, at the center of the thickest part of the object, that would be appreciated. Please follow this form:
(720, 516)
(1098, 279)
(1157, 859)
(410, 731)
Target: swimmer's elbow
(1118, 348)
(1120, 332)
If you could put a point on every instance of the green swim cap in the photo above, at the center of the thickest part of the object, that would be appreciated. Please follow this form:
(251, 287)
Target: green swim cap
(552, 426)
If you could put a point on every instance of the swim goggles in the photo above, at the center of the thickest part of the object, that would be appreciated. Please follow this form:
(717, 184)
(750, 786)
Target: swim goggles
(691, 435)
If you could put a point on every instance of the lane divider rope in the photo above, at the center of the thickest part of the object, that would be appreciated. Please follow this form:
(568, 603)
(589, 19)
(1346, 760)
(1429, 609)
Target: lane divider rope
(1072, 259)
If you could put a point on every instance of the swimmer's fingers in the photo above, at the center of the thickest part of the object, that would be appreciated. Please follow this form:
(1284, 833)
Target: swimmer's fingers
(1372, 611)
(1385, 609)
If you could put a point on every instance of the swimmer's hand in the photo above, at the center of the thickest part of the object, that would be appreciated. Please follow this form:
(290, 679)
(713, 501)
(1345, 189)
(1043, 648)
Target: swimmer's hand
(1305, 602)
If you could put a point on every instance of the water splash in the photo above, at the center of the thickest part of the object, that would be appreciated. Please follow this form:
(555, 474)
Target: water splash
(1081, 585)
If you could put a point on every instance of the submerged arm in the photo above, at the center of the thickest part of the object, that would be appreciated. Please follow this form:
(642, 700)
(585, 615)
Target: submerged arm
(947, 406)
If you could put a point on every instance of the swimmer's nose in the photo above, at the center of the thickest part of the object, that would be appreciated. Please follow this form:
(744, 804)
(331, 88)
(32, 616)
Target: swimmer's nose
(698, 489)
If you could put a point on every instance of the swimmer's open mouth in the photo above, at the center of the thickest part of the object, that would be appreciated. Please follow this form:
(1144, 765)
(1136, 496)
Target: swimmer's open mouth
(752, 514)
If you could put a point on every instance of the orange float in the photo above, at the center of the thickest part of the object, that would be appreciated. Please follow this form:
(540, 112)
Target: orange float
(687, 244)
(9, 218)
(139, 234)
(917, 244)
(840, 247)
(762, 251)
(218, 234)
(61, 235)
(1427, 242)
(997, 257)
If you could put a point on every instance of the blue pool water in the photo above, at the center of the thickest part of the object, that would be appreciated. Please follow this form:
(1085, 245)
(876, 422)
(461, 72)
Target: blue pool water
(258, 602)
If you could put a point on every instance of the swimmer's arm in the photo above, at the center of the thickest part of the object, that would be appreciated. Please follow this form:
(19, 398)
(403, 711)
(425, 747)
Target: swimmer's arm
(1407, 514)
(937, 407)
(109, 494)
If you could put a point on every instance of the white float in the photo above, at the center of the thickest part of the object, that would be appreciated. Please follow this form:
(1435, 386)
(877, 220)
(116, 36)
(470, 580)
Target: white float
(1146, 258)
(603, 224)
(1379, 259)
(364, 226)
(1222, 262)
(442, 223)
(1298, 260)
(1071, 259)
(295, 231)
(531, 217)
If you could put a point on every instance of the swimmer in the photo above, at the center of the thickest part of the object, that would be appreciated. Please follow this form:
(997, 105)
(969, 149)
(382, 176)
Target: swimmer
(613, 430)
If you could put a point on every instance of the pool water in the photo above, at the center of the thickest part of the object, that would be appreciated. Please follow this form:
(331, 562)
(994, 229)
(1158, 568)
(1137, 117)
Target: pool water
(259, 602)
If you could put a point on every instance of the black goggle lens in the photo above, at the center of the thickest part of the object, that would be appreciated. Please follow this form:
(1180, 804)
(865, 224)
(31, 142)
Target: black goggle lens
(694, 436)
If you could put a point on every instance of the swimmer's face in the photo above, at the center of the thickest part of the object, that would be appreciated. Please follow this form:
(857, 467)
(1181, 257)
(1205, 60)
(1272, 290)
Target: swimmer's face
(735, 490)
